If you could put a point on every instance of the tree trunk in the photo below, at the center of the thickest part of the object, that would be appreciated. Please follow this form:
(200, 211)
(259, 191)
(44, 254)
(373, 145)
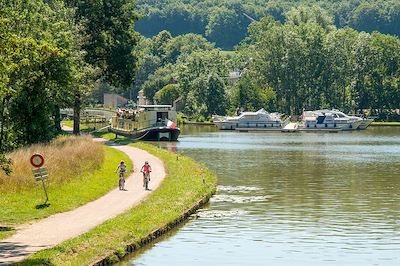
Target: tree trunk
(77, 113)
(2, 124)
(4, 145)
(57, 118)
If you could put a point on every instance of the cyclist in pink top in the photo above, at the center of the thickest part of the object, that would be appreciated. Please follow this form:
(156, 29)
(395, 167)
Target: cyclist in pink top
(146, 170)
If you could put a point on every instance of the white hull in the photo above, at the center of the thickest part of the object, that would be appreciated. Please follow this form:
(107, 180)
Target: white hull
(228, 125)
(338, 125)
(249, 120)
(332, 119)
(365, 123)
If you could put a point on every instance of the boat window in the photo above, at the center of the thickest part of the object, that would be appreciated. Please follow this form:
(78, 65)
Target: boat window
(161, 116)
(341, 115)
(320, 119)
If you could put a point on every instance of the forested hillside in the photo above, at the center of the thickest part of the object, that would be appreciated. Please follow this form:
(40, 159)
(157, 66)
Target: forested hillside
(304, 63)
(225, 22)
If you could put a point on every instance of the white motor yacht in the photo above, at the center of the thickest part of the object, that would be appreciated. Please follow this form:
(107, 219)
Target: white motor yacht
(249, 120)
(332, 120)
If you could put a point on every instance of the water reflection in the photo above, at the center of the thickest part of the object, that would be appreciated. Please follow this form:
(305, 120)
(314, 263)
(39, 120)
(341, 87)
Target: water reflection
(291, 199)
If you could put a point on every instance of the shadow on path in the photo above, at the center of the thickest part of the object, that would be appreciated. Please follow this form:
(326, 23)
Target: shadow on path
(30, 262)
(13, 249)
(42, 206)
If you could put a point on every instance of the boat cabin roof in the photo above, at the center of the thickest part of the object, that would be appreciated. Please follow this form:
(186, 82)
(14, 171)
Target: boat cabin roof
(155, 107)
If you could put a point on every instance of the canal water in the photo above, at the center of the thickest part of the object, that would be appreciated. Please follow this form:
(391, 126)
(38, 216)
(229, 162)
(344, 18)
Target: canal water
(290, 199)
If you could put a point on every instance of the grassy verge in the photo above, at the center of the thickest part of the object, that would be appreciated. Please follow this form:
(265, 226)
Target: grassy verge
(385, 124)
(67, 187)
(70, 123)
(186, 183)
(6, 231)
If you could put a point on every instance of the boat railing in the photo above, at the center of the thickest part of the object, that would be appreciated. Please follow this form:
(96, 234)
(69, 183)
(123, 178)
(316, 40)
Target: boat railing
(160, 124)
(285, 121)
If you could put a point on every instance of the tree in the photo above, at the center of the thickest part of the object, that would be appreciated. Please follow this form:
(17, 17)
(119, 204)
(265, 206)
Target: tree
(366, 17)
(339, 70)
(159, 42)
(310, 14)
(41, 45)
(168, 94)
(226, 27)
(37, 40)
(252, 97)
(156, 81)
(185, 44)
(201, 77)
(385, 76)
(110, 45)
(216, 100)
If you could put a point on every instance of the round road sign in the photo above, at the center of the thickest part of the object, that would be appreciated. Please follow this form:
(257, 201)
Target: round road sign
(37, 160)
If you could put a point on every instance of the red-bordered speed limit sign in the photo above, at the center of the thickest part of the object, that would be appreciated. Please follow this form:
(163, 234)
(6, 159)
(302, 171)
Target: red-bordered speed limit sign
(37, 160)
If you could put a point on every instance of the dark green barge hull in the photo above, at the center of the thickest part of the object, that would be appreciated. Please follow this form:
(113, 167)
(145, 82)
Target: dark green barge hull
(150, 134)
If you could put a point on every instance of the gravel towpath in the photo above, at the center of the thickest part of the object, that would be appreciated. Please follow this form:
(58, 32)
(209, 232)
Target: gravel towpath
(57, 228)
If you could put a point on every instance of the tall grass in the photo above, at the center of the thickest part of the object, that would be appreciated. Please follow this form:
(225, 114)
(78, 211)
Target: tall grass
(80, 171)
(186, 183)
(65, 157)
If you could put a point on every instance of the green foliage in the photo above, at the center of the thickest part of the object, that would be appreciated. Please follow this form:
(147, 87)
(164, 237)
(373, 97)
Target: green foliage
(226, 27)
(158, 52)
(200, 78)
(168, 94)
(187, 61)
(156, 81)
(40, 57)
(51, 53)
(252, 97)
(311, 65)
(5, 164)
(313, 14)
(216, 100)
(185, 44)
(225, 21)
(109, 28)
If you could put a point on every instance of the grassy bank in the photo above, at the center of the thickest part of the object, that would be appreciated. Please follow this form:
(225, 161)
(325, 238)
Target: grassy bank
(186, 183)
(70, 123)
(382, 124)
(79, 171)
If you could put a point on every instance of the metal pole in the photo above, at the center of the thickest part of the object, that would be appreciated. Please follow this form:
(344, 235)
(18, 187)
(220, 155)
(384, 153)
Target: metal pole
(45, 191)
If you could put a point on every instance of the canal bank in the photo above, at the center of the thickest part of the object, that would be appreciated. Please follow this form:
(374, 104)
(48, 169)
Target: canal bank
(186, 187)
(289, 199)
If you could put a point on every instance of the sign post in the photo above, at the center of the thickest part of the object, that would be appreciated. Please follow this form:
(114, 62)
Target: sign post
(37, 161)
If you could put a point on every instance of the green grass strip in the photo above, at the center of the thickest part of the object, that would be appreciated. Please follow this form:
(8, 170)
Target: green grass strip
(186, 183)
(6, 232)
(70, 123)
(25, 206)
(385, 124)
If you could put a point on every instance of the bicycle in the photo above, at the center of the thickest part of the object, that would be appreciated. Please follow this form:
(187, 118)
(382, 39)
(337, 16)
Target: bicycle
(146, 180)
(121, 181)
